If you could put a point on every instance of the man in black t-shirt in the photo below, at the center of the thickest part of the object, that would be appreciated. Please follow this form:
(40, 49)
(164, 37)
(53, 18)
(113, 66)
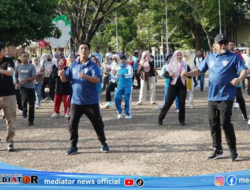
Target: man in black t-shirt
(7, 95)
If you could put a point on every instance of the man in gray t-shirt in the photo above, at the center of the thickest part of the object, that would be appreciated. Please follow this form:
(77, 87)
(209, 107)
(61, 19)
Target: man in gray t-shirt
(25, 72)
(25, 75)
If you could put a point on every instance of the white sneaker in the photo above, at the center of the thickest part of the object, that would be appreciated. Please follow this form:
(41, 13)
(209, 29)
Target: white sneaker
(248, 121)
(37, 107)
(43, 100)
(51, 101)
(236, 106)
(55, 115)
(139, 103)
(177, 111)
(66, 116)
(20, 112)
(152, 103)
(119, 116)
(128, 117)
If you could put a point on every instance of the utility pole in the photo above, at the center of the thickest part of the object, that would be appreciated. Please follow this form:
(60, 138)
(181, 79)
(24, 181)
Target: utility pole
(167, 27)
(220, 17)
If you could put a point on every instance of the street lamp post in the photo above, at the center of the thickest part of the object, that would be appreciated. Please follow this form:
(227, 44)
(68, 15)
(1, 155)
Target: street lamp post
(219, 16)
(167, 27)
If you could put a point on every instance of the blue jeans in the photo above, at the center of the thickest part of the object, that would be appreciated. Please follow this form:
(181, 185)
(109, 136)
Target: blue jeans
(38, 93)
(202, 81)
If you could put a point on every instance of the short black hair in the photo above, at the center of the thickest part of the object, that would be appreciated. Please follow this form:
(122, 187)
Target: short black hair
(86, 43)
(2, 46)
(24, 53)
(19, 61)
(110, 49)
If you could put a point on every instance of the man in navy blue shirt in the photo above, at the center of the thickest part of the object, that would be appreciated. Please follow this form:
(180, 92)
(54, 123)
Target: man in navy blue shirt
(223, 68)
(84, 75)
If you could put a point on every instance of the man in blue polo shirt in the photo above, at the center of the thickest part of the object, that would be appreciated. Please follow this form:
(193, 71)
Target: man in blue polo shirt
(84, 75)
(223, 68)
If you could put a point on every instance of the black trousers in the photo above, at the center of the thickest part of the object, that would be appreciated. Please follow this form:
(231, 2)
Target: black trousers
(180, 91)
(28, 96)
(241, 101)
(106, 80)
(18, 99)
(243, 85)
(137, 77)
(51, 83)
(248, 85)
(93, 113)
(111, 88)
(220, 113)
(195, 81)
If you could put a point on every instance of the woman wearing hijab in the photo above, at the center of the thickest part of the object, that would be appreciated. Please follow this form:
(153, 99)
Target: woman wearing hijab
(147, 72)
(70, 59)
(48, 66)
(38, 81)
(113, 82)
(177, 87)
(165, 74)
(188, 59)
(106, 67)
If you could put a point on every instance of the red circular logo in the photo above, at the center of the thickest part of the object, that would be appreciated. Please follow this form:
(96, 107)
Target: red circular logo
(26, 179)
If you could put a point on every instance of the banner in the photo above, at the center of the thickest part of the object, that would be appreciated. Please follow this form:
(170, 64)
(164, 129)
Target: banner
(12, 177)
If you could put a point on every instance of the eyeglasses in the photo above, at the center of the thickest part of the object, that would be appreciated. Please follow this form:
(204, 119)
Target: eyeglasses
(115, 59)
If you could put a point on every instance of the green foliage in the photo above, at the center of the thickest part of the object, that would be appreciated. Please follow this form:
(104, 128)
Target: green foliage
(26, 20)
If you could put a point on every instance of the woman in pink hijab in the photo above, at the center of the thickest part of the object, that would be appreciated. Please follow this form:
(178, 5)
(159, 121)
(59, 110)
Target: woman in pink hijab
(177, 87)
(148, 74)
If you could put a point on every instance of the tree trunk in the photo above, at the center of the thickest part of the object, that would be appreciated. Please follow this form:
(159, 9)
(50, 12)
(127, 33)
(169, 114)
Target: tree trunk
(208, 39)
(195, 30)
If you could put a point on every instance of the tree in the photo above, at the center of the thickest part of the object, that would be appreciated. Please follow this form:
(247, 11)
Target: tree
(86, 16)
(26, 20)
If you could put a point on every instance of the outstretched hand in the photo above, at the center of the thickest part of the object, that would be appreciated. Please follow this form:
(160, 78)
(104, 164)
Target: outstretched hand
(183, 74)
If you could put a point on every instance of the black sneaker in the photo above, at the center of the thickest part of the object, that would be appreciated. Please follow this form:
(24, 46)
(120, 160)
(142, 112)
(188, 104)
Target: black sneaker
(105, 147)
(72, 150)
(182, 123)
(234, 155)
(160, 122)
(216, 154)
(3, 117)
(30, 123)
(25, 114)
